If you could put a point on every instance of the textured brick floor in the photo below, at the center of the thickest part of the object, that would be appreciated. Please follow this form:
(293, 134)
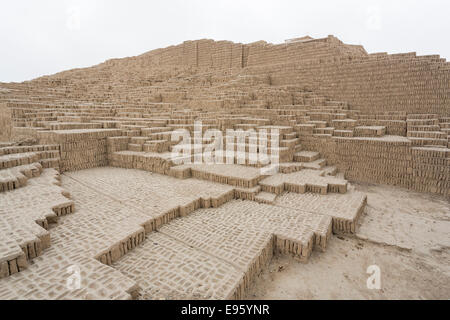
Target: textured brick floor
(158, 237)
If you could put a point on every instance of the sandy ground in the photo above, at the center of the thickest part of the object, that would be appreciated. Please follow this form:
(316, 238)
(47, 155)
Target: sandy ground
(406, 234)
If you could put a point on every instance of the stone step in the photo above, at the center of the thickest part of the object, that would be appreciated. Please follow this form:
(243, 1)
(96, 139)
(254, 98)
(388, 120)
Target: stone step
(265, 197)
(298, 148)
(138, 140)
(135, 147)
(318, 124)
(436, 146)
(428, 141)
(431, 152)
(427, 134)
(10, 149)
(340, 104)
(290, 136)
(341, 124)
(328, 107)
(165, 135)
(325, 116)
(306, 156)
(71, 125)
(156, 146)
(18, 159)
(132, 132)
(305, 128)
(303, 181)
(231, 174)
(291, 143)
(289, 167)
(422, 116)
(14, 178)
(315, 165)
(280, 129)
(301, 119)
(369, 131)
(322, 135)
(50, 163)
(422, 122)
(148, 131)
(327, 130)
(329, 171)
(424, 128)
(286, 111)
(245, 126)
(329, 110)
(343, 133)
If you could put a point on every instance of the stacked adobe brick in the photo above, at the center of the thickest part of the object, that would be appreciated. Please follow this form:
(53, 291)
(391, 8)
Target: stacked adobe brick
(381, 91)
(80, 149)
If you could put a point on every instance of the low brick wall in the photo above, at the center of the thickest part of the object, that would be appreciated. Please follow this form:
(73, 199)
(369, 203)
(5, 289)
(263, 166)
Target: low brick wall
(80, 149)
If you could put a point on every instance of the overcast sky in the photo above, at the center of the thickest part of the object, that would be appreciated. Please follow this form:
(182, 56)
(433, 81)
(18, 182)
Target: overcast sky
(48, 36)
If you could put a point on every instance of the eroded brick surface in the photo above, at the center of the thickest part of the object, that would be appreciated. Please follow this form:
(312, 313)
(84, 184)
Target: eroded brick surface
(330, 113)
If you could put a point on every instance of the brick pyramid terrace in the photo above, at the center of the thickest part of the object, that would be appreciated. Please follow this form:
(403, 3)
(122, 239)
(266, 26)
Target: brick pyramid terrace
(88, 176)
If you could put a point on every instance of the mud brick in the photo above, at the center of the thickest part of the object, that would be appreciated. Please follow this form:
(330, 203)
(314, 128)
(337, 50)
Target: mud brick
(376, 118)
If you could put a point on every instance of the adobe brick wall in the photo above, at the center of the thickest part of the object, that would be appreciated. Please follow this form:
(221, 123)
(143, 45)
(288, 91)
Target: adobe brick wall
(393, 161)
(372, 83)
(5, 122)
(80, 149)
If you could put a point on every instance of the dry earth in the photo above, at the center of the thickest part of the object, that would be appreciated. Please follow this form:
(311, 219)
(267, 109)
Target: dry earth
(405, 233)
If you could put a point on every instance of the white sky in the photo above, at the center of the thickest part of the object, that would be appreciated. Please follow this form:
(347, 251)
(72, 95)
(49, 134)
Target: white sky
(48, 36)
